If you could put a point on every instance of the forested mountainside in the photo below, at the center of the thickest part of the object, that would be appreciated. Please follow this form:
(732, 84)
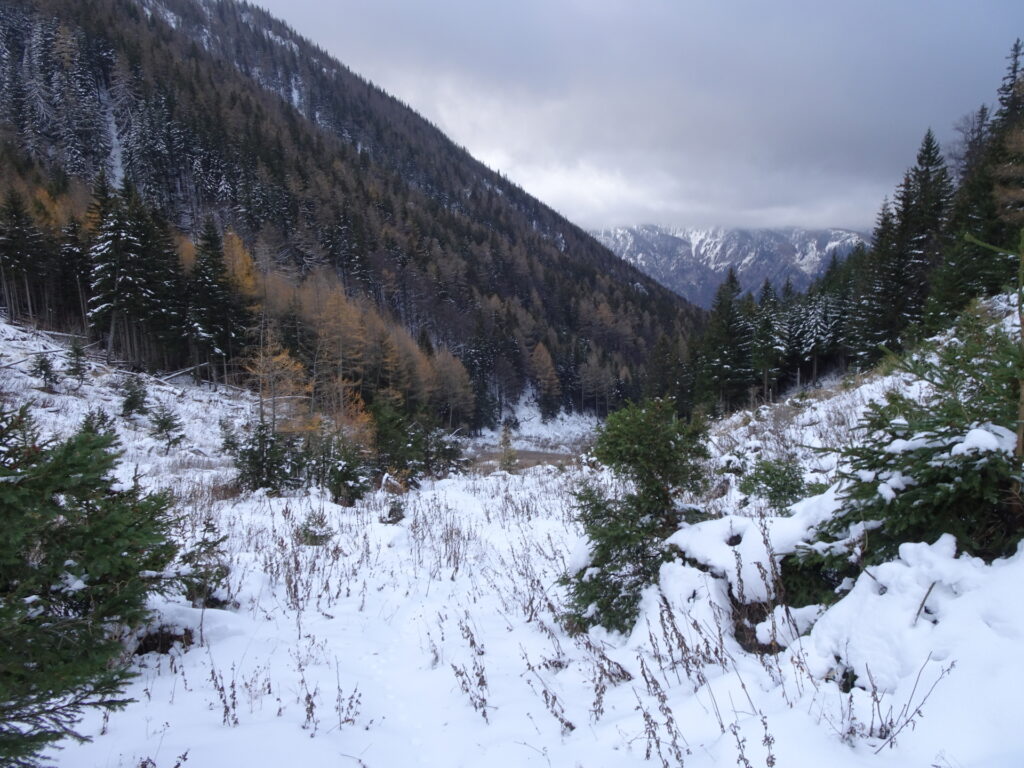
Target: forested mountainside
(950, 233)
(694, 261)
(183, 109)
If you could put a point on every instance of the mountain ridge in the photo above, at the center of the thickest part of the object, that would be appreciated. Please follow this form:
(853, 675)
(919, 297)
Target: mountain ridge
(693, 261)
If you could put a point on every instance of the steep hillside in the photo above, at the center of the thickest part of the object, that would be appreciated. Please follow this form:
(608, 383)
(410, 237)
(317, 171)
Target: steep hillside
(693, 262)
(216, 108)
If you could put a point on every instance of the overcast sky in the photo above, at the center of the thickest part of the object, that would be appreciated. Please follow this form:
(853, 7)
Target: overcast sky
(682, 112)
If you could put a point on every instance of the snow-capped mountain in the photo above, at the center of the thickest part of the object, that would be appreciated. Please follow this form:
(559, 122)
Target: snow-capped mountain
(693, 262)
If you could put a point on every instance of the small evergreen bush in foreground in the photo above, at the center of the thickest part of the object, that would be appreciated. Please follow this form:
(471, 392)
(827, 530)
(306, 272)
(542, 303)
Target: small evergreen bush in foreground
(661, 455)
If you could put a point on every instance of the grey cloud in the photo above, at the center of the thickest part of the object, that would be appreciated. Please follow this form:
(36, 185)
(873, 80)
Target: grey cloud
(698, 112)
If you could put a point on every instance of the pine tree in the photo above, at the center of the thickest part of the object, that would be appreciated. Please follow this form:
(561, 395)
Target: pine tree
(649, 446)
(22, 258)
(120, 292)
(966, 270)
(727, 374)
(884, 310)
(215, 320)
(945, 465)
(1009, 191)
(923, 208)
(767, 342)
(78, 559)
(821, 323)
(165, 320)
(77, 366)
(665, 374)
(1011, 94)
(861, 330)
(73, 276)
(1008, 151)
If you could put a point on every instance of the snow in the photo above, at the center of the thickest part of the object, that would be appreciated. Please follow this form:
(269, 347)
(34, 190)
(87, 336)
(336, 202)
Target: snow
(567, 433)
(989, 438)
(115, 165)
(436, 642)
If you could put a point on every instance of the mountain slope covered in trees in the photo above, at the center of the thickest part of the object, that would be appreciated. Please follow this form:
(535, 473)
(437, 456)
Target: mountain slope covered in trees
(214, 109)
(950, 233)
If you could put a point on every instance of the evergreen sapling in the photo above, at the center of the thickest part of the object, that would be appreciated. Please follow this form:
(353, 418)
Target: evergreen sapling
(78, 560)
(661, 455)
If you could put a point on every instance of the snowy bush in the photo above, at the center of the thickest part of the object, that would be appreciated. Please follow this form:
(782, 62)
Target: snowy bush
(337, 465)
(949, 463)
(262, 460)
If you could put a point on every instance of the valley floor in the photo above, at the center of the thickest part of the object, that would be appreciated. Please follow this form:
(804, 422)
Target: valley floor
(435, 641)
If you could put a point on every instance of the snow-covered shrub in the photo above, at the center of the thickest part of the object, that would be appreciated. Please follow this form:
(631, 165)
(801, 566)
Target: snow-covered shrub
(337, 465)
(409, 447)
(279, 461)
(314, 531)
(262, 458)
(661, 455)
(442, 452)
(949, 463)
(206, 568)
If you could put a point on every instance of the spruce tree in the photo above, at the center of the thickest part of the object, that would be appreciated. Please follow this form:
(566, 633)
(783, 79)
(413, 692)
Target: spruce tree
(121, 284)
(967, 271)
(885, 311)
(664, 371)
(947, 464)
(1010, 93)
(924, 201)
(79, 557)
(767, 344)
(660, 455)
(216, 321)
(73, 276)
(727, 374)
(165, 321)
(22, 258)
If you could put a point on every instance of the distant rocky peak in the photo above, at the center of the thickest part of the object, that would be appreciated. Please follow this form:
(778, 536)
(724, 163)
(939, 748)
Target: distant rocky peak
(693, 261)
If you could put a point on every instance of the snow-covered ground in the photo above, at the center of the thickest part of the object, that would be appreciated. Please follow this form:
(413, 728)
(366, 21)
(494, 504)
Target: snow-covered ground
(435, 641)
(568, 433)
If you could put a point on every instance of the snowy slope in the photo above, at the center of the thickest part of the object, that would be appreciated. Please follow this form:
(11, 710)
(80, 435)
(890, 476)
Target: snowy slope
(434, 642)
(693, 262)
